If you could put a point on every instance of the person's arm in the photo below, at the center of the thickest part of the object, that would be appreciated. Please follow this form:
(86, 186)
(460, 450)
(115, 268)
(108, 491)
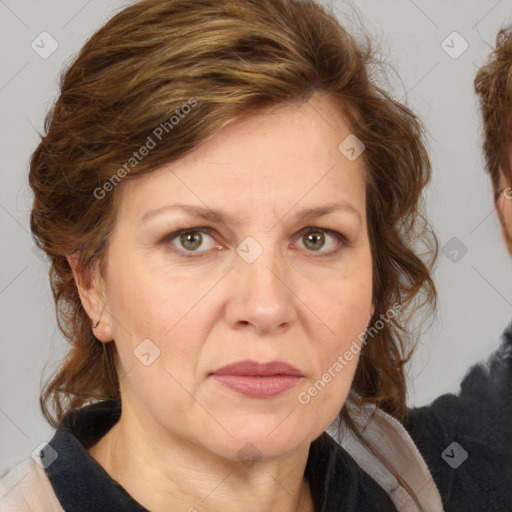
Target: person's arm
(479, 421)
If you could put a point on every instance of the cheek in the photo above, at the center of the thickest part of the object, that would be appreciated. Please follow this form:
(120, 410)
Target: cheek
(338, 353)
(346, 308)
(160, 339)
(347, 305)
(150, 300)
(150, 305)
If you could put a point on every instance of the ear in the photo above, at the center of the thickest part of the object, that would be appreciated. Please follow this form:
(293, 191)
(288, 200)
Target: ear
(503, 203)
(370, 315)
(504, 184)
(90, 286)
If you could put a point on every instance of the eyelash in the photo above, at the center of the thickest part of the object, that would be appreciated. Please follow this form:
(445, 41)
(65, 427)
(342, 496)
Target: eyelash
(205, 229)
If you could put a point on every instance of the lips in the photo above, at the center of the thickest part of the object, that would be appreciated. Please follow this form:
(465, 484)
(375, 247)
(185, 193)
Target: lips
(253, 368)
(258, 380)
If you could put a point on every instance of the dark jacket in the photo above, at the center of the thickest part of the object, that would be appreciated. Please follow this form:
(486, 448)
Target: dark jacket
(479, 420)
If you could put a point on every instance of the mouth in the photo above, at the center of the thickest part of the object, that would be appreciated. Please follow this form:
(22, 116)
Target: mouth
(258, 380)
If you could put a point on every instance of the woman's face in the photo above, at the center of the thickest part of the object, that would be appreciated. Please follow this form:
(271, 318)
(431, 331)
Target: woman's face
(257, 286)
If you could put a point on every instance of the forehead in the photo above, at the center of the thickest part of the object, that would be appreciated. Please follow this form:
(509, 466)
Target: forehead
(287, 157)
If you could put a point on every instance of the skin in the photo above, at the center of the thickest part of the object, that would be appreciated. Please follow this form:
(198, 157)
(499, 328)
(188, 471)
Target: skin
(504, 207)
(175, 446)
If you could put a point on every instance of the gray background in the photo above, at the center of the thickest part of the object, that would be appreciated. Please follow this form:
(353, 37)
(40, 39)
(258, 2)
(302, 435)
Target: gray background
(475, 291)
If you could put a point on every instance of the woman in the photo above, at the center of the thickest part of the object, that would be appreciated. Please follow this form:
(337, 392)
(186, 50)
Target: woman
(230, 207)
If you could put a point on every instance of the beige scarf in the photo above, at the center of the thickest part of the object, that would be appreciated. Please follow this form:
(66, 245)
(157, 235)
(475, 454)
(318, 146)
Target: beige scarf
(390, 457)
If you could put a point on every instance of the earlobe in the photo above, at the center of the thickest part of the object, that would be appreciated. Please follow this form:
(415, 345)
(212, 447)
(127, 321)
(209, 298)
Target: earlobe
(370, 316)
(93, 297)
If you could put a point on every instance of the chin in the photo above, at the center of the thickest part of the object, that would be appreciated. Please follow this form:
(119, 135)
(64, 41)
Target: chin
(250, 444)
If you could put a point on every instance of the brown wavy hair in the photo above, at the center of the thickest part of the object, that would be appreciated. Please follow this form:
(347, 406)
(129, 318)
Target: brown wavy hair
(232, 57)
(493, 85)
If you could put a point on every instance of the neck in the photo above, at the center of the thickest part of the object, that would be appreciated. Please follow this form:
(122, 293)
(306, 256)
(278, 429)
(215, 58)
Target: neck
(173, 474)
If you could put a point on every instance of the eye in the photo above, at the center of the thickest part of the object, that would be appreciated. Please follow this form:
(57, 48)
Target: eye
(190, 240)
(187, 242)
(314, 239)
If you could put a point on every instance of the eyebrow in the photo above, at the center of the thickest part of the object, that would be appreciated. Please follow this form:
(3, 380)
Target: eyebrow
(219, 216)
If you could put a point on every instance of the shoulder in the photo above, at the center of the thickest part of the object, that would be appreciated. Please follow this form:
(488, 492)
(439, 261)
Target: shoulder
(482, 407)
(466, 438)
(26, 488)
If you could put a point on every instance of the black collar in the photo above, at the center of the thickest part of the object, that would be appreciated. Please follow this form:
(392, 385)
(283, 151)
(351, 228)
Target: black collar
(337, 483)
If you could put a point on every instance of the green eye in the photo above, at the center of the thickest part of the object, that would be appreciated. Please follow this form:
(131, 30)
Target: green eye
(188, 242)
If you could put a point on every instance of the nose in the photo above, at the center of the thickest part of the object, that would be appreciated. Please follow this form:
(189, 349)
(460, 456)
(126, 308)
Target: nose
(261, 292)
